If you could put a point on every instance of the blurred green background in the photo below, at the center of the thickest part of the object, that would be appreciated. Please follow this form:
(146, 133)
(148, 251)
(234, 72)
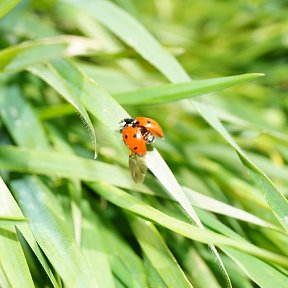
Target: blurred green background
(42, 134)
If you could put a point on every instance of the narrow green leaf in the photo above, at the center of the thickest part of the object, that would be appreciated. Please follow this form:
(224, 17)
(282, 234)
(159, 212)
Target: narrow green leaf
(25, 230)
(6, 6)
(12, 260)
(94, 250)
(51, 232)
(158, 253)
(174, 92)
(130, 203)
(19, 57)
(80, 91)
(8, 220)
(199, 270)
(126, 264)
(64, 165)
(120, 22)
(210, 204)
(75, 86)
(274, 198)
(153, 278)
(260, 272)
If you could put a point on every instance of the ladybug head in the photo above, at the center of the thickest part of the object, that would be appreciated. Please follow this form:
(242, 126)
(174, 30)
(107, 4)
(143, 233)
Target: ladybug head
(126, 122)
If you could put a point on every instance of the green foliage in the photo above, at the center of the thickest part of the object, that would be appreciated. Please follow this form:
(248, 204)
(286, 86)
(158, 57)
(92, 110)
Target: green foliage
(219, 178)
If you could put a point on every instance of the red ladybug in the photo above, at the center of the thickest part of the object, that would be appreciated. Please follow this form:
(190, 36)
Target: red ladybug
(151, 125)
(138, 132)
(134, 140)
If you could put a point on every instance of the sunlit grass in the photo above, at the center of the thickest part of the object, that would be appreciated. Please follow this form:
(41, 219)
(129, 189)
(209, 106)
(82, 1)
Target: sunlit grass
(212, 209)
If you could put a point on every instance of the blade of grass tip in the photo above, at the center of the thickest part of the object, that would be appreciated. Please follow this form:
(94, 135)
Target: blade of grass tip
(72, 94)
(158, 253)
(12, 258)
(175, 92)
(6, 6)
(96, 100)
(272, 195)
(160, 169)
(52, 233)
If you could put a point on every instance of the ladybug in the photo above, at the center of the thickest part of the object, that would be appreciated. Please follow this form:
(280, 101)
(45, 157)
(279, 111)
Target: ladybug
(133, 138)
(151, 126)
(138, 132)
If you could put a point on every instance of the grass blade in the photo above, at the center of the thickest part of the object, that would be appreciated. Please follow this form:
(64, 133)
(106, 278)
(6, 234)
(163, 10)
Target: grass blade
(274, 198)
(68, 83)
(175, 92)
(158, 253)
(6, 6)
(51, 233)
(63, 165)
(120, 22)
(12, 259)
(18, 57)
(260, 272)
(25, 231)
(126, 201)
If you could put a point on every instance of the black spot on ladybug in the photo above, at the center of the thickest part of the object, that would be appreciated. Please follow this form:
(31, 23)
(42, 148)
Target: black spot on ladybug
(148, 122)
(135, 135)
(126, 136)
(135, 148)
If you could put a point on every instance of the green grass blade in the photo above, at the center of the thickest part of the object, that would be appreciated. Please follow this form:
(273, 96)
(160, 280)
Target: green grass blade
(26, 232)
(6, 6)
(210, 204)
(274, 198)
(199, 271)
(126, 264)
(68, 82)
(51, 232)
(160, 169)
(12, 259)
(174, 92)
(61, 74)
(8, 220)
(93, 247)
(120, 22)
(20, 119)
(260, 272)
(126, 201)
(63, 165)
(158, 253)
(19, 57)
